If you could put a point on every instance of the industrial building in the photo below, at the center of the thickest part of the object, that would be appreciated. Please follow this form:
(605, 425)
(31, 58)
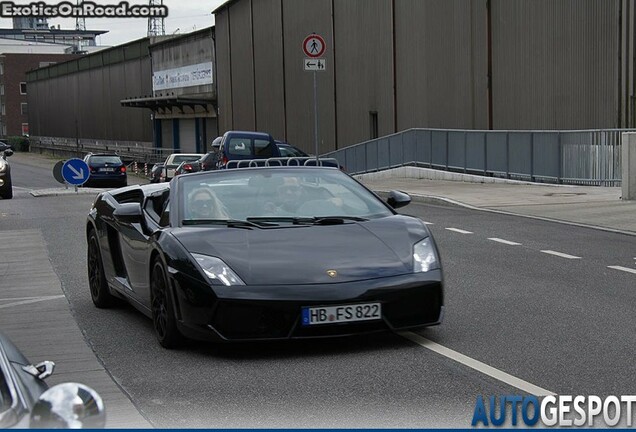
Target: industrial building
(398, 64)
(389, 65)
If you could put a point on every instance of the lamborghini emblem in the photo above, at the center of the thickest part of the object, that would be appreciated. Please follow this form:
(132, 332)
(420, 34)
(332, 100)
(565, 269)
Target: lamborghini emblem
(332, 273)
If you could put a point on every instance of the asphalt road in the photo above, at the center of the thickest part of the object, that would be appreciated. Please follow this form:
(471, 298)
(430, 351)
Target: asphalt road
(562, 322)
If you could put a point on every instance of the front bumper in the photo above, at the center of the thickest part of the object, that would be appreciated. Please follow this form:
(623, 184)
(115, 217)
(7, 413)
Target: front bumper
(274, 312)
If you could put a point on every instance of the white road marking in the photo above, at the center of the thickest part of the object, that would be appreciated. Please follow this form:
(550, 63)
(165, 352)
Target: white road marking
(461, 231)
(428, 223)
(477, 365)
(22, 188)
(34, 300)
(560, 254)
(625, 269)
(508, 242)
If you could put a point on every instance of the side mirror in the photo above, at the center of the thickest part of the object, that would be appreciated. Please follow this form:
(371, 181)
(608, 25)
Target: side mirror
(69, 406)
(8, 152)
(398, 199)
(128, 213)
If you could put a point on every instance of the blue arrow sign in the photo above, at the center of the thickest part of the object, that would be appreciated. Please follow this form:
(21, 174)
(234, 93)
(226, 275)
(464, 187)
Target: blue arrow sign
(75, 171)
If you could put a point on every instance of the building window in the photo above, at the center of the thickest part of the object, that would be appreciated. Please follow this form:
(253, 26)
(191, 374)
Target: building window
(3, 110)
(4, 129)
(22, 88)
(23, 108)
(2, 89)
(1, 68)
(373, 122)
(25, 128)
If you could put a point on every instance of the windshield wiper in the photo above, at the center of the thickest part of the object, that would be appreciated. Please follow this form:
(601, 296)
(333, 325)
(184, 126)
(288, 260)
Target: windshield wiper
(322, 220)
(232, 223)
(335, 220)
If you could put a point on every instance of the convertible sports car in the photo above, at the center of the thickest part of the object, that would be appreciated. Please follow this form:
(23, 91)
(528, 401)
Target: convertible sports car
(263, 253)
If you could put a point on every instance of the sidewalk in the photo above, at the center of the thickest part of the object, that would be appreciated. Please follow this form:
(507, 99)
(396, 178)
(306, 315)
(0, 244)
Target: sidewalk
(594, 206)
(36, 316)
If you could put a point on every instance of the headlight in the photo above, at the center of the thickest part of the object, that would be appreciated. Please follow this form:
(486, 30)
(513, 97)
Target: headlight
(424, 257)
(217, 271)
(3, 166)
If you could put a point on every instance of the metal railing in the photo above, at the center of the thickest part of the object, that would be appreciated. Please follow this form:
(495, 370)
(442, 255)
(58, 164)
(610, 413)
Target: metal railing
(587, 157)
(129, 151)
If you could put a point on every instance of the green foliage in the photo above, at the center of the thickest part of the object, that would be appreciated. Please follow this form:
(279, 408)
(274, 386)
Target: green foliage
(19, 143)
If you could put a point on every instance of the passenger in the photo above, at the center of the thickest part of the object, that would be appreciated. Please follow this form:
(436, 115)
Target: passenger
(204, 204)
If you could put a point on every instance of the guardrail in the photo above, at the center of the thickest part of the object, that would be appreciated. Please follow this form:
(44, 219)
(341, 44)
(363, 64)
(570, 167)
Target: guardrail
(587, 157)
(128, 151)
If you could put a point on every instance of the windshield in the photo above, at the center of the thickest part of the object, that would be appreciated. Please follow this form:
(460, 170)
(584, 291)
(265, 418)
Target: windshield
(276, 194)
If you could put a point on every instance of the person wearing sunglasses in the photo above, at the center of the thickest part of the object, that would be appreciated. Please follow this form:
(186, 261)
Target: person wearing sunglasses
(204, 204)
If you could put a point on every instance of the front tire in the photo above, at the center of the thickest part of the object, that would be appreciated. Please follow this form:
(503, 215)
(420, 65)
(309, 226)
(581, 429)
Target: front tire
(8, 192)
(163, 319)
(100, 294)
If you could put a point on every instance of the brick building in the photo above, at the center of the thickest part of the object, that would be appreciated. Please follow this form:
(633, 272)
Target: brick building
(13, 89)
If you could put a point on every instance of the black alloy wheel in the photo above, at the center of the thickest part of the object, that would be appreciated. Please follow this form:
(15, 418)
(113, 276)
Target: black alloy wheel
(163, 319)
(101, 296)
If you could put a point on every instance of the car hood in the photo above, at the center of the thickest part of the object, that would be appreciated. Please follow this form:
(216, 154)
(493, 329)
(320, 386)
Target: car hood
(303, 254)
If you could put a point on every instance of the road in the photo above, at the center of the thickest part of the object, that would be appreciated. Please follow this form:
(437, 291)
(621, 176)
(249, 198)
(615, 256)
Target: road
(536, 301)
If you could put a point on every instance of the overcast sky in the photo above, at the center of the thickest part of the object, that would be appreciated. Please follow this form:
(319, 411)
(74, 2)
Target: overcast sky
(184, 16)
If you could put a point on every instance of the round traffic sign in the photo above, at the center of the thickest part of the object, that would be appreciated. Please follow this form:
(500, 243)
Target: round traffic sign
(314, 45)
(75, 171)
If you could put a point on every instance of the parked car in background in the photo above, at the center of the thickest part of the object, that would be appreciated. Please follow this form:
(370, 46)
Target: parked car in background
(243, 145)
(106, 169)
(188, 167)
(6, 189)
(175, 159)
(26, 401)
(156, 173)
(288, 150)
(4, 146)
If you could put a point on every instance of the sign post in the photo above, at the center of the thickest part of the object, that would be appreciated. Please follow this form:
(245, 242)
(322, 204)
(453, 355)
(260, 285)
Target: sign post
(314, 46)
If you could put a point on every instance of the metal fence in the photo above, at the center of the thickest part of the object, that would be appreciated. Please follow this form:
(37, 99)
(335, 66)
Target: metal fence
(589, 157)
(129, 151)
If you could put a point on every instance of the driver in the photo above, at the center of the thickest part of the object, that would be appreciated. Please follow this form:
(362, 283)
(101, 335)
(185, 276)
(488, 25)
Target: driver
(289, 197)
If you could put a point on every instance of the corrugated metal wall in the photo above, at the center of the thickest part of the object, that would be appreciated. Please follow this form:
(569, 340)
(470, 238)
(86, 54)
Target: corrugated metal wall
(85, 104)
(242, 64)
(268, 65)
(441, 69)
(555, 64)
(223, 69)
(364, 68)
(301, 18)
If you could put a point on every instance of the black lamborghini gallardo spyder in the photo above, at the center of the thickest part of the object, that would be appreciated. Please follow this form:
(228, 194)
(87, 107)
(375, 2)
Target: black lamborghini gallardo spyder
(263, 253)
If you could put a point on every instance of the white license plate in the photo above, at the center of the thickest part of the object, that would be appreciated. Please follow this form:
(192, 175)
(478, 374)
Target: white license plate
(107, 169)
(341, 313)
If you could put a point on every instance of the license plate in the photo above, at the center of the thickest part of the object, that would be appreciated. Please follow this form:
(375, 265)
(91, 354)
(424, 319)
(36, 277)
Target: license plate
(341, 313)
(107, 169)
